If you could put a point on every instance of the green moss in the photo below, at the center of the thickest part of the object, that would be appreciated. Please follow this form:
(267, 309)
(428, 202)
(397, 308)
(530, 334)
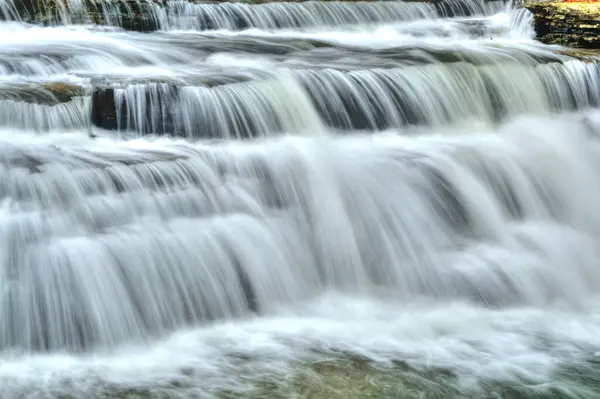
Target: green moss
(351, 377)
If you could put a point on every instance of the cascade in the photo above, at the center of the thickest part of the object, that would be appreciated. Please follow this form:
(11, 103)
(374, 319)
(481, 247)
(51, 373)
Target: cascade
(372, 99)
(215, 199)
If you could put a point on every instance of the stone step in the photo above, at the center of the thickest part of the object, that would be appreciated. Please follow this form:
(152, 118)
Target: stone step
(150, 15)
(44, 106)
(35, 157)
(217, 101)
(44, 93)
(203, 58)
(343, 100)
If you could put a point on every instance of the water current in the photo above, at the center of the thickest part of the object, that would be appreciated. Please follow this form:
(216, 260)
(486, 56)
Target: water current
(285, 200)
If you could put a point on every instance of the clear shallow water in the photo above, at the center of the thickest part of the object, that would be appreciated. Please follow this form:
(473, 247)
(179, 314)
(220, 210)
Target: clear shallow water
(351, 205)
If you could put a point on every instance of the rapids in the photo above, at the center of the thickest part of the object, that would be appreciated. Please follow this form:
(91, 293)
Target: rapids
(304, 199)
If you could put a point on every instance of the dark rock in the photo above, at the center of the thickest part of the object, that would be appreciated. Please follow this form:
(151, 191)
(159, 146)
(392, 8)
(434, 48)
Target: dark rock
(104, 110)
(111, 112)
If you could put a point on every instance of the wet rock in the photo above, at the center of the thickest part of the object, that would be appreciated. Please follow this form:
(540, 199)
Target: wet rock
(104, 110)
(111, 114)
(44, 94)
(63, 92)
(136, 16)
(568, 24)
(127, 14)
(582, 54)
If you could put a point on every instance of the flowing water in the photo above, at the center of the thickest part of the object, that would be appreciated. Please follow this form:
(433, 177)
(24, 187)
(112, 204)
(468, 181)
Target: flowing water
(285, 200)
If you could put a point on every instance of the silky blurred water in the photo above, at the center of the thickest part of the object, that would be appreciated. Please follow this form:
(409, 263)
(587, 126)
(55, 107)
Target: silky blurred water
(311, 199)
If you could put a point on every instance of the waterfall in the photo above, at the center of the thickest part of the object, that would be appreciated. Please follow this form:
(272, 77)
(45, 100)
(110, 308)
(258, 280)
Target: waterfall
(184, 15)
(226, 111)
(295, 199)
(173, 240)
(180, 14)
(373, 99)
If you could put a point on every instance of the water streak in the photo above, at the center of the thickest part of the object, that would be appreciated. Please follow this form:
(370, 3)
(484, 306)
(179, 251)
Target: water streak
(374, 99)
(182, 15)
(187, 228)
(398, 193)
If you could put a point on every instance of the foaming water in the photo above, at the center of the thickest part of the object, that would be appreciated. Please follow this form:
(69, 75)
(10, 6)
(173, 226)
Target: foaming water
(507, 229)
(67, 116)
(236, 84)
(183, 15)
(179, 14)
(226, 111)
(234, 16)
(384, 198)
(242, 358)
(373, 99)
(94, 225)
(509, 24)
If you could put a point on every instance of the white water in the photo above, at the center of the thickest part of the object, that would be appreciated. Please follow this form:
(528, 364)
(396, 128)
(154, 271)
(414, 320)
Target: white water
(410, 188)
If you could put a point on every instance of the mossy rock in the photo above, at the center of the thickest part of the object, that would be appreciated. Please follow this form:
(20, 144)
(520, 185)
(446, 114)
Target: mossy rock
(64, 92)
(344, 377)
(44, 94)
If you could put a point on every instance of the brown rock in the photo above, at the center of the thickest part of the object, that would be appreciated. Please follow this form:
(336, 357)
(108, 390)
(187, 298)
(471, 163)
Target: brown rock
(568, 24)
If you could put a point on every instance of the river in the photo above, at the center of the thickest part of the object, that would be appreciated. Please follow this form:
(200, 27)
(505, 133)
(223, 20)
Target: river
(296, 200)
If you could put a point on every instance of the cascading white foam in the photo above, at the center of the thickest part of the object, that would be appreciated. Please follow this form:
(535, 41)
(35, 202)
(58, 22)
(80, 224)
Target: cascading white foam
(181, 14)
(435, 94)
(225, 111)
(235, 16)
(216, 232)
(457, 260)
(43, 118)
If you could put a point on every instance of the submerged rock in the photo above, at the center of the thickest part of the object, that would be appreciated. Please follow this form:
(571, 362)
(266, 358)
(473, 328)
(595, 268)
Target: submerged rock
(44, 94)
(582, 54)
(569, 24)
(63, 92)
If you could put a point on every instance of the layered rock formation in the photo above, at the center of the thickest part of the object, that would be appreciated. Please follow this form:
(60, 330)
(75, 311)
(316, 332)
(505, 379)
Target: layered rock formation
(574, 24)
